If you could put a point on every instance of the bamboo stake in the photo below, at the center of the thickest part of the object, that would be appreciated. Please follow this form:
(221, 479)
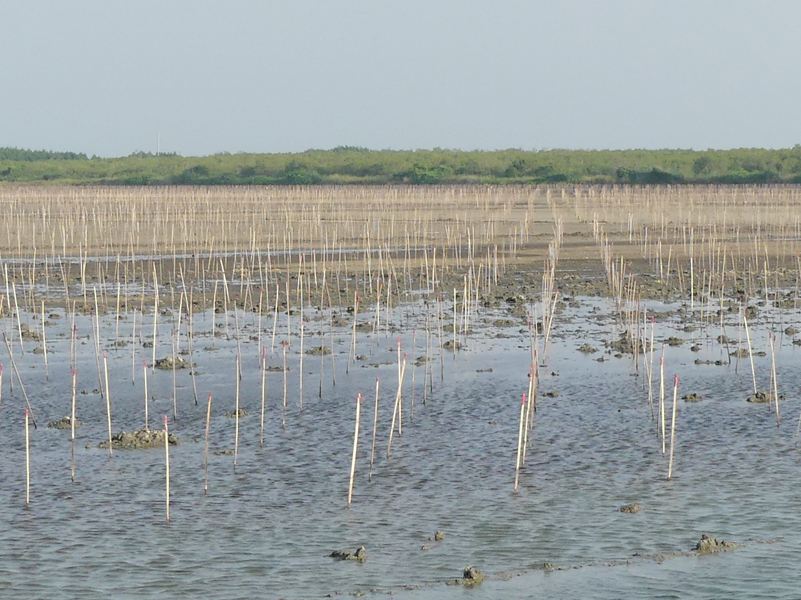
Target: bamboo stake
(108, 404)
(206, 447)
(236, 415)
(44, 342)
(72, 404)
(750, 354)
(528, 414)
(167, 464)
(397, 402)
(375, 428)
(662, 396)
(283, 412)
(27, 459)
(133, 348)
(520, 440)
(355, 446)
(263, 390)
(414, 351)
(72, 422)
(773, 372)
(174, 344)
(673, 425)
(144, 372)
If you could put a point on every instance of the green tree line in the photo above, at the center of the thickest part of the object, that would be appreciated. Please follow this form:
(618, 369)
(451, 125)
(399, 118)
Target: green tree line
(354, 165)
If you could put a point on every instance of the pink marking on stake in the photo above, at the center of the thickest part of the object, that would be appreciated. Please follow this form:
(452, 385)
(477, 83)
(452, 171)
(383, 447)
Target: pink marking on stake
(524, 398)
(358, 398)
(165, 422)
(27, 412)
(675, 381)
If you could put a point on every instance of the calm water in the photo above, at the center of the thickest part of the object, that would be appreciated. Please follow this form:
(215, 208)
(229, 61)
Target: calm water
(266, 528)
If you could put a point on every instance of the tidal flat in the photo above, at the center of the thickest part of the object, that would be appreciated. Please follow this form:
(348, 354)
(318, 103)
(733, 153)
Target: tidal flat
(446, 305)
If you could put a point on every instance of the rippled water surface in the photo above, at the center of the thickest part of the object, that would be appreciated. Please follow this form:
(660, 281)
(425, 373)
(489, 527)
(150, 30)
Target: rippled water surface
(266, 529)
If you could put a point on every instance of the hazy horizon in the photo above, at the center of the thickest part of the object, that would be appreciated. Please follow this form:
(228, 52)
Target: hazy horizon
(277, 77)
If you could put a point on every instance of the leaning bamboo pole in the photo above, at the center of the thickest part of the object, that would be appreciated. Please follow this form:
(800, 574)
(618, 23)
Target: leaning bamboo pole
(673, 425)
(355, 448)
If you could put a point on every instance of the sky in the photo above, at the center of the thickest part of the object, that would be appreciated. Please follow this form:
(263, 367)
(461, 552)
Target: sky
(108, 77)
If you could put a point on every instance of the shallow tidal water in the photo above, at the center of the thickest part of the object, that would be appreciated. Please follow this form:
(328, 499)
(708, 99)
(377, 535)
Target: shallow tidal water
(266, 529)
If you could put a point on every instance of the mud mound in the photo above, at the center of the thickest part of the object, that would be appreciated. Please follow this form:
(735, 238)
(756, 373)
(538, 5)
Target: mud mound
(139, 440)
(64, 422)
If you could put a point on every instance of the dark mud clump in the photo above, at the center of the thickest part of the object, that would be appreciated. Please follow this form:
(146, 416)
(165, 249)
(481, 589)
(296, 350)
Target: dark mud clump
(439, 535)
(762, 397)
(470, 577)
(360, 555)
(691, 397)
(708, 545)
(451, 345)
(790, 331)
(139, 440)
(551, 394)
(232, 413)
(674, 341)
(64, 422)
(625, 345)
(166, 364)
(587, 349)
(631, 509)
(319, 351)
(740, 353)
(420, 360)
(29, 334)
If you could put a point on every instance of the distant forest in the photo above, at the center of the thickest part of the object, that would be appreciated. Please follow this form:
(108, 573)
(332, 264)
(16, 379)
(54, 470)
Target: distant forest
(353, 165)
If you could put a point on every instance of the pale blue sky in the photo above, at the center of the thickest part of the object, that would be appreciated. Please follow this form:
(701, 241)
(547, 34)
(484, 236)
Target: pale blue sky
(104, 76)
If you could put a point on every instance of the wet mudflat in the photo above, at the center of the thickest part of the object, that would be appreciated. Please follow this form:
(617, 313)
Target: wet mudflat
(268, 527)
(122, 281)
